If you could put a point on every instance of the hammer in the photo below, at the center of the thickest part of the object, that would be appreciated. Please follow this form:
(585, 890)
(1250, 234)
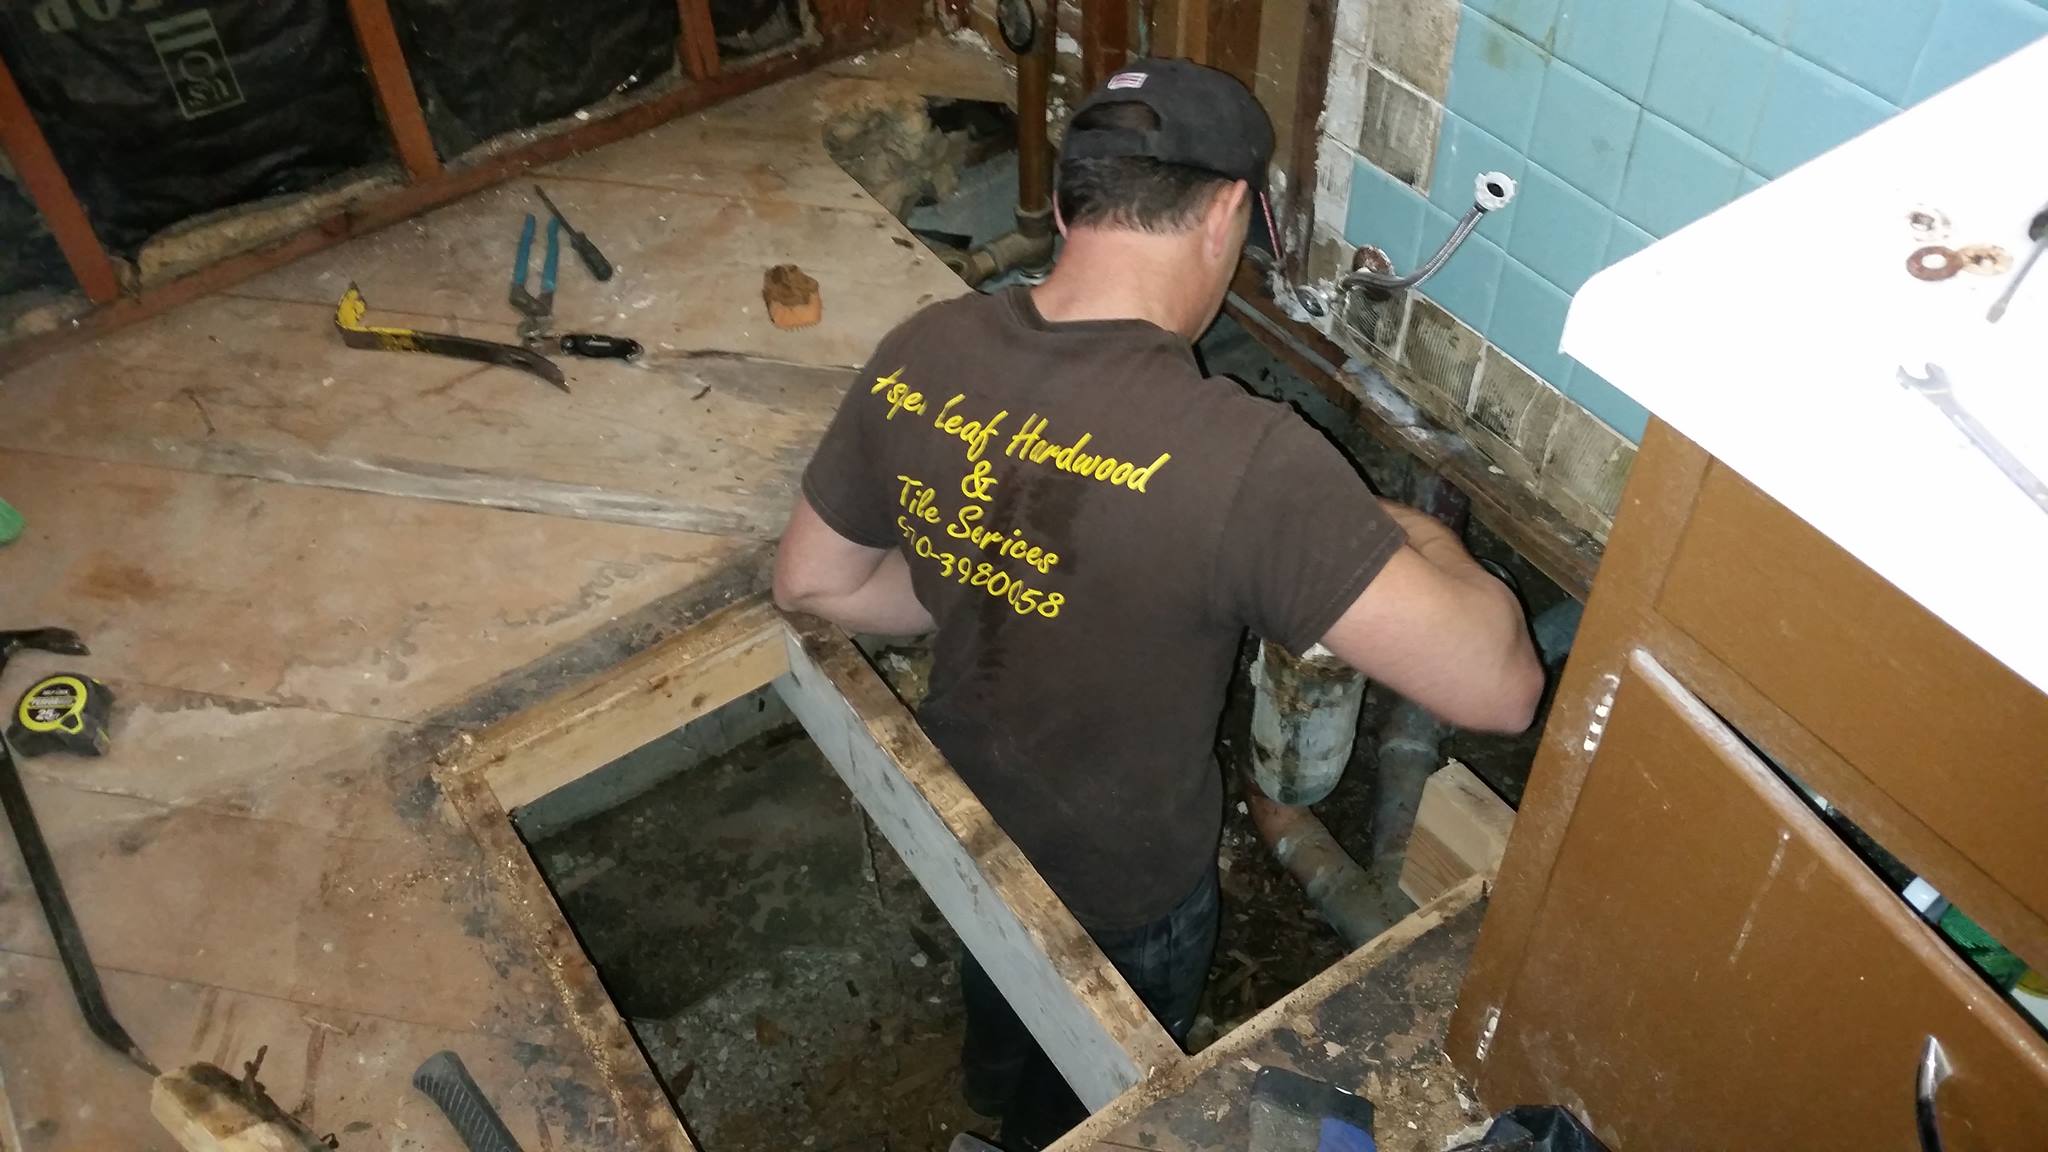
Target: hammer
(42, 867)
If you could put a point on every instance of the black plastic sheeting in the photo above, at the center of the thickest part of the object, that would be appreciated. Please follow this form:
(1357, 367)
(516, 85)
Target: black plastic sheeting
(482, 69)
(159, 110)
(29, 257)
(1536, 1128)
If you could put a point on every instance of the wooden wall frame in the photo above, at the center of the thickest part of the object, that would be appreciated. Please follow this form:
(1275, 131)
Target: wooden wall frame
(698, 45)
(21, 139)
(384, 60)
(1105, 40)
(429, 183)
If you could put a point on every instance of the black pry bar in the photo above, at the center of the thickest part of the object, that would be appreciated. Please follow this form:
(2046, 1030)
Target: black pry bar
(42, 876)
(448, 1084)
(586, 251)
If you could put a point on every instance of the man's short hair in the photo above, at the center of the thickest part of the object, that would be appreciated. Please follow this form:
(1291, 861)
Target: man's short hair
(1131, 191)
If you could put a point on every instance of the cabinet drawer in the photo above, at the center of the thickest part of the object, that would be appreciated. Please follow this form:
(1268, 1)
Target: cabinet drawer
(1945, 731)
(1711, 968)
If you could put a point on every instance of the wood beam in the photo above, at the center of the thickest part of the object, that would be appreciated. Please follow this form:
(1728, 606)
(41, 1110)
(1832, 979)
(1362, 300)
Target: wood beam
(1180, 28)
(1105, 40)
(699, 45)
(1232, 40)
(635, 1101)
(1461, 830)
(1086, 1018)
(22, 141)
(1311, 90)
(578, 731)
(384, 58)
(1535, 529)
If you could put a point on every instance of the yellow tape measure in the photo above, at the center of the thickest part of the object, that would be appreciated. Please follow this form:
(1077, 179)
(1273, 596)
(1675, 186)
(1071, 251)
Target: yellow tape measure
(62, 713)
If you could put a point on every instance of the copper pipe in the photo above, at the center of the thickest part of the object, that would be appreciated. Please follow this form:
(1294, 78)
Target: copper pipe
(1031, 245)
(1034, 84)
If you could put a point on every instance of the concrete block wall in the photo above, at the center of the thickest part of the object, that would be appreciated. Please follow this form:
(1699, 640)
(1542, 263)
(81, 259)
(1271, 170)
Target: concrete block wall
(1622, 121)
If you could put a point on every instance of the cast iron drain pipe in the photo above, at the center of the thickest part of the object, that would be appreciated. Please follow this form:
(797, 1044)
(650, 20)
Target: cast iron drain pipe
(1028, 33)
(1303, 717)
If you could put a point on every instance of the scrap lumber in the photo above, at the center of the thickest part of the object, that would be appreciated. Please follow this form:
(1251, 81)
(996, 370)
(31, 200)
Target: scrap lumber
(1461, 830)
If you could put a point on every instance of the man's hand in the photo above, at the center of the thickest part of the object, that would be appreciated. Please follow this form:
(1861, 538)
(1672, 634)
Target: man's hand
(1442, 631)
(860, 589)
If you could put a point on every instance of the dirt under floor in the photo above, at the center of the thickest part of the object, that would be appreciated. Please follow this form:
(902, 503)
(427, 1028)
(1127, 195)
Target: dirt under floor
(792, 983)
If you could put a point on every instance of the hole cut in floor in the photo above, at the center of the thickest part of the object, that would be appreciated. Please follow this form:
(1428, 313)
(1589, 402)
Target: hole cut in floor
(789, 980)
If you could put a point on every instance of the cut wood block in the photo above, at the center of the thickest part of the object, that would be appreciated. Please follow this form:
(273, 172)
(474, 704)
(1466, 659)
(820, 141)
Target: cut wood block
(1461, 830)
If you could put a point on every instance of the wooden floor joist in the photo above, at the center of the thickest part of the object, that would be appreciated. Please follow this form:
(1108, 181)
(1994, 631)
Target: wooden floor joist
(1529, 525)
(561, 740)
(1096, 1030)
(1079, 1008)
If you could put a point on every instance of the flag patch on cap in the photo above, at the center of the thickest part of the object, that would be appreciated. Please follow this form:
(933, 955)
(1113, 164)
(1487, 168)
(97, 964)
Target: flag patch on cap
(1127, 80)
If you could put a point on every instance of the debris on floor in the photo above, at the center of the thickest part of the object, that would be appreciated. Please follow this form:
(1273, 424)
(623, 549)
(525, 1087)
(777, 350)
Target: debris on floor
(790, 981)
(792, 297)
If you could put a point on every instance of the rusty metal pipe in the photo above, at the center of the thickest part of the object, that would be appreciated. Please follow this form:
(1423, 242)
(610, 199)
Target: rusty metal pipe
(1346, 896)
(1019, 249)
(1360, 902)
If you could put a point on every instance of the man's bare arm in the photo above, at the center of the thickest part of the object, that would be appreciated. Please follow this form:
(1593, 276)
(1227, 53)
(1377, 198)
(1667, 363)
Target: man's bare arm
(1442, 631)
(858, 588)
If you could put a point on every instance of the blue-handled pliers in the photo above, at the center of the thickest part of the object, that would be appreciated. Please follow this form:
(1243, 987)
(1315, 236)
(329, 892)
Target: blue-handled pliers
(538, 310)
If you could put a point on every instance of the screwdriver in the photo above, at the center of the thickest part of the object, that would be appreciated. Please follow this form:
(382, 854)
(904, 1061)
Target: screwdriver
(600, 268)
(2037, 231)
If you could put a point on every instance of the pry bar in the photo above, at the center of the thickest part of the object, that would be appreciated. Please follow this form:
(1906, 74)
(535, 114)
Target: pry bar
(348, 317)
(42, 869)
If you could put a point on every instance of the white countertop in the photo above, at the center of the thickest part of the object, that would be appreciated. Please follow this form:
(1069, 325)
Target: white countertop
(1771, 333)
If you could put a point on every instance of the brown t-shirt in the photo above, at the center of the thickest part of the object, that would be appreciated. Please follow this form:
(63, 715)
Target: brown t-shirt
(1093, 524)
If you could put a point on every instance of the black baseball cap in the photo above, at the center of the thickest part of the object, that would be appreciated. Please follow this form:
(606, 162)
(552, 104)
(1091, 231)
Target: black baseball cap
(1208, 119)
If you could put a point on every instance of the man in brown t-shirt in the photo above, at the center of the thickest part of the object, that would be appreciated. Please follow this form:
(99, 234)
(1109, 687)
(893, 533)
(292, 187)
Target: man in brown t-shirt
(1045, 478)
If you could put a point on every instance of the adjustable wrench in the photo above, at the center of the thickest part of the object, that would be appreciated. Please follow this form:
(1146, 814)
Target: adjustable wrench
(1936, 388)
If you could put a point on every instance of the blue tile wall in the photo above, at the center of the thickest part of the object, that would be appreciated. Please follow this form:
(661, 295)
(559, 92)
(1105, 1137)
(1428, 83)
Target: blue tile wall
(1466, 285)
(1583, 131)
(1463, 151)
(1528, 318)
(1496, 77)
(1967, 35)
(1613, 41)
(1870, 43)
(1709, 76)
(1559, 231)
(1387, 213)
(1591, 391)
(1624, 120)
(1809, 110)
(1674, 178)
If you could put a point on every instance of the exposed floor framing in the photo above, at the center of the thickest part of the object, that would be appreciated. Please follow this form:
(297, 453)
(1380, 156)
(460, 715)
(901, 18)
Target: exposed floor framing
(357, 606)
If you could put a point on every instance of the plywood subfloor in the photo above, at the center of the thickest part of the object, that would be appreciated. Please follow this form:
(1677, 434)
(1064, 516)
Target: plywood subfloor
(304, 569)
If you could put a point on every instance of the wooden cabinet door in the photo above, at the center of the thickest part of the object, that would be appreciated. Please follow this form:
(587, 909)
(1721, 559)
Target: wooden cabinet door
(1712, 968)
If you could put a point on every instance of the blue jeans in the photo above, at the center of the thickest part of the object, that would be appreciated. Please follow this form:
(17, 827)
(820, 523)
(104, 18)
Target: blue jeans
(1006, 1074)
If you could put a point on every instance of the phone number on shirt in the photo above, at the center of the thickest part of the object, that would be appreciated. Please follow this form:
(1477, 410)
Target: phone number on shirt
(1023, 600)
